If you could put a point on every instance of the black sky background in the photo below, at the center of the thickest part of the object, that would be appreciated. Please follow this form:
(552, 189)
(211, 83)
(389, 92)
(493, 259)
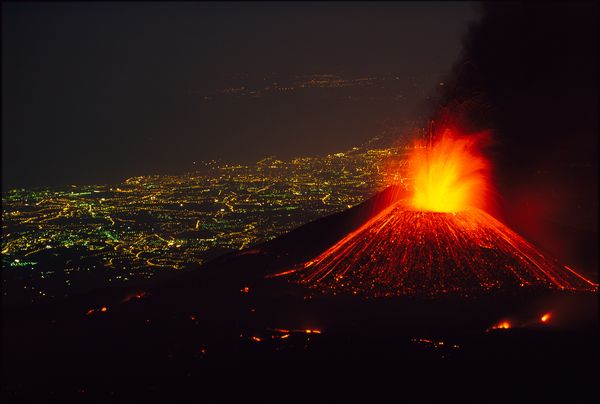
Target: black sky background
(98, 92)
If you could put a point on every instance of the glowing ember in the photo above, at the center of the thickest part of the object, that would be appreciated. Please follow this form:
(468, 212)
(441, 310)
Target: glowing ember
(545, 318)
(504, 325)
(449, 176)
(92, 311)
(139, 295)
(285, 333)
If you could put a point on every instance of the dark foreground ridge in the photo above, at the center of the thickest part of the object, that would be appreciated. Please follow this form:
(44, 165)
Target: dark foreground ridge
(225, 332)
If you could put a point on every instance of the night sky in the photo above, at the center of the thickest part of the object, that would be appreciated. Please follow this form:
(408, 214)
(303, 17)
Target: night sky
(95, 93)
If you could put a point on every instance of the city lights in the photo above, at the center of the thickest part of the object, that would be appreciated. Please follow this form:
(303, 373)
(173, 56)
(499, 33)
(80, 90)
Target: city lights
(151, 225)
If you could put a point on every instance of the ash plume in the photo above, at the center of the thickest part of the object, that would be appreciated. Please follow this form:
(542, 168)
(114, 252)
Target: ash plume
(529, 73)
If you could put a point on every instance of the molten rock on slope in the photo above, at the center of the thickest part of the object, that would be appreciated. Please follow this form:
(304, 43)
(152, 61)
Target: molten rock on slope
(402, 252)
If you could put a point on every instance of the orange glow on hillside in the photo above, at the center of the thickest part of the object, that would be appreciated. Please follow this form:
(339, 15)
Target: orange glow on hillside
(545, 318)
(450, 175)
(504, 325)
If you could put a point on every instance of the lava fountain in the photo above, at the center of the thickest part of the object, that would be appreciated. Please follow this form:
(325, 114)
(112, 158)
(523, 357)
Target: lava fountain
(451, 175)
(440, 240)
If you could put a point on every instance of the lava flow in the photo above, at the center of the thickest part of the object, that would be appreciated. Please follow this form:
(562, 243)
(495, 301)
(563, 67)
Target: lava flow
(438, 242)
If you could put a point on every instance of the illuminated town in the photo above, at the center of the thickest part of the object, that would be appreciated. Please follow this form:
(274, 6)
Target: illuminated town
(57, 241)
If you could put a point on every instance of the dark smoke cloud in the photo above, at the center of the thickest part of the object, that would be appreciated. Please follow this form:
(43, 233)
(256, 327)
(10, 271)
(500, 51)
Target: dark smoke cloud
(529, 73)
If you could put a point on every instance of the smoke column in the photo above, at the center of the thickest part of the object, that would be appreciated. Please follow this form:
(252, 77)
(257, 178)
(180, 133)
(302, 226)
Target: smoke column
(529, 73)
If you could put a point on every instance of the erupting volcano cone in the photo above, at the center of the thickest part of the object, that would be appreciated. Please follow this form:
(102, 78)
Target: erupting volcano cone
(403, 251)
(438, 242)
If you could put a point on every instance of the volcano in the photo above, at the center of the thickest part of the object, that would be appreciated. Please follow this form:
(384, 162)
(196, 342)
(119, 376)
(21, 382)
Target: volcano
(439, 241)
(402, 251)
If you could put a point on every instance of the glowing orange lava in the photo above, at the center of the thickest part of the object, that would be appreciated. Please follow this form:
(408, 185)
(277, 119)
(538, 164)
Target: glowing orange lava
(449, 176)
(405, 252)
(504, 325)
(545, 318)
